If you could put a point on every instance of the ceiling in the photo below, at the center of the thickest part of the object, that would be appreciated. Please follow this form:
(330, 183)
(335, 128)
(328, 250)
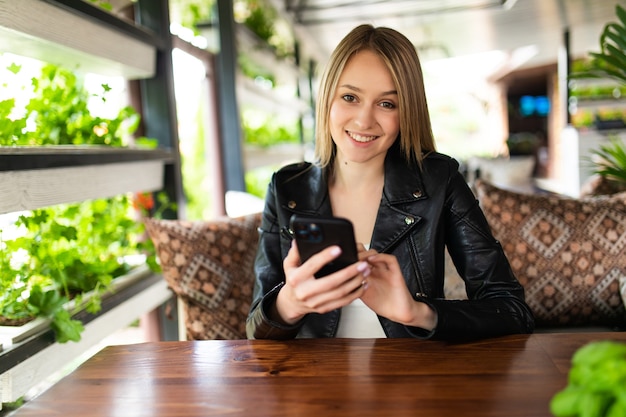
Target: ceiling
(529, 32)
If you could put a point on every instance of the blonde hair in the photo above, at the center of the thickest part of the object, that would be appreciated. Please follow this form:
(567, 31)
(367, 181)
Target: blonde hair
(398, 53)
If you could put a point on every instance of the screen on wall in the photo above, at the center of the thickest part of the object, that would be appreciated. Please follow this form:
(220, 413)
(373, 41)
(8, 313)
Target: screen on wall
(534, 106)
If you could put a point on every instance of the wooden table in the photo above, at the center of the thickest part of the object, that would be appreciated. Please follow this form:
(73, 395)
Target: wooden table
(507, 376)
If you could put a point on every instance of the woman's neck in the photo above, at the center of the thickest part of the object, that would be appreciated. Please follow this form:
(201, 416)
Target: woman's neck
(355, 191)
(353, 176)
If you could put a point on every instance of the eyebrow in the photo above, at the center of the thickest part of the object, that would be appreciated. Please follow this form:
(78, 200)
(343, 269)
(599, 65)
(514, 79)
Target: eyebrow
(357, 89)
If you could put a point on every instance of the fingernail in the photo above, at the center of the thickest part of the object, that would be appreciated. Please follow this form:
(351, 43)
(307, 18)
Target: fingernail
(366, 273)
(336, 250)
(362, 266)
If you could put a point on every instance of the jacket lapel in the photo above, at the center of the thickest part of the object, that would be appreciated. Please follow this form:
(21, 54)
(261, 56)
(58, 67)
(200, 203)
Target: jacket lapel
(397, 213)
(306, 193)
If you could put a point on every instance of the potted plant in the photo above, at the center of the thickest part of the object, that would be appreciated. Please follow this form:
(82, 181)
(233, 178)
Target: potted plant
(522, 144)
(609, 161)
(609, 164)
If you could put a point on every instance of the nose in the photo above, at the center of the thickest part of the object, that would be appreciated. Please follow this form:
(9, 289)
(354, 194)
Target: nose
(364, 118)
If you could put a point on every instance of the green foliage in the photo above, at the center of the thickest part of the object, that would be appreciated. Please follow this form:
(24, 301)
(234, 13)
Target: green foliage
(68, 252)
(523, 143)
(195, 166)
(610, 162)
(596, 382)
(103, 4)
(269, 133)
(257, 180)
(60, 113)
(260, 19)
(265, 133)
(252, 70)
(610, 62)
(190, 13)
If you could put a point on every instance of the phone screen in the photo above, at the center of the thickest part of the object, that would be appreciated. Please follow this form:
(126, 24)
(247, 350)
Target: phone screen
(313, 234)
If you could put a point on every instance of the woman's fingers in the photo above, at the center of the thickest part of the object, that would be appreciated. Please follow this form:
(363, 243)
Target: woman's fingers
(388, 262)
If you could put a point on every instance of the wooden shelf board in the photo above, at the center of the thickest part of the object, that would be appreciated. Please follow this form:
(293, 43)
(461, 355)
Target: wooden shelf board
(37, 29)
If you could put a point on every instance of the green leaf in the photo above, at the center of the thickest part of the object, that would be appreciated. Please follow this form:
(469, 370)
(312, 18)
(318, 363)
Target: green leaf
(65, 328)
(46, 303)
(14, 68)
(611, 60)
(621, 14)
(67, 249)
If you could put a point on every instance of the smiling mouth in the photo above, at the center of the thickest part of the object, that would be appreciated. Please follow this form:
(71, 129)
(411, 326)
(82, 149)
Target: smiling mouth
(361, 138)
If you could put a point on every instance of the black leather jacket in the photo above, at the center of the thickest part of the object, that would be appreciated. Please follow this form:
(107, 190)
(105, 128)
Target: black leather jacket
(420, 213)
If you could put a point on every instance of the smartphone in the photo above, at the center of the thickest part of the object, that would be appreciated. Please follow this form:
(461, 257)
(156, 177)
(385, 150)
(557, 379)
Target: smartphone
(313, 234)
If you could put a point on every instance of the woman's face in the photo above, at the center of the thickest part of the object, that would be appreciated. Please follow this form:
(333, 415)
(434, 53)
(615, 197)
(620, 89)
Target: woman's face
(364, 116)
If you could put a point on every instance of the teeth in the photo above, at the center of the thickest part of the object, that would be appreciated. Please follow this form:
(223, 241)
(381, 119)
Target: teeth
(360, 138)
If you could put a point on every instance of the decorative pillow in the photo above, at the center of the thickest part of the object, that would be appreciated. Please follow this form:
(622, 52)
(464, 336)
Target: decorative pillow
(569, 254)
(209, 265)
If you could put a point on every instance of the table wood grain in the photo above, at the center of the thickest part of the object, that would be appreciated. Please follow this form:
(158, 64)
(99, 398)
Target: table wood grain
(508, 376)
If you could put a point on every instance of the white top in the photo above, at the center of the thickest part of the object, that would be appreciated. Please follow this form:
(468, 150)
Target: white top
(359, 321)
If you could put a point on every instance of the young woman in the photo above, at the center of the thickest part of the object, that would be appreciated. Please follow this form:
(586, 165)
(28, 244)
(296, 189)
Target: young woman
(377, 166)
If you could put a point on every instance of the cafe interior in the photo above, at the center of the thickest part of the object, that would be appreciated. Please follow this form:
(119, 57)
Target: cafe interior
(158, 124)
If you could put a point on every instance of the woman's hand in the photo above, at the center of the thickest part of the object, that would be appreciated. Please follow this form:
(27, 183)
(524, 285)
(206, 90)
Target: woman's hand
(303, 293)
(388, 295)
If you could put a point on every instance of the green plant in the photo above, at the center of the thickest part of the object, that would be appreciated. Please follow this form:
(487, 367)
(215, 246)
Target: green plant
(58, 114)
(523, 143)
(267, 132)
(609, 161)
(610, 62)
(189, 13)
(67, 252)
(596, 382)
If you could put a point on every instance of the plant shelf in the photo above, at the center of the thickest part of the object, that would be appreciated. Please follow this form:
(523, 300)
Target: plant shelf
(36, 177)
(37, 29)
(37, 357)
(11, 335)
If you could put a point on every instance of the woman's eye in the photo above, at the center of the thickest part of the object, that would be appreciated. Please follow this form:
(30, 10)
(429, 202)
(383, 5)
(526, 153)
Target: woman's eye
(388, 105)
(348, 97)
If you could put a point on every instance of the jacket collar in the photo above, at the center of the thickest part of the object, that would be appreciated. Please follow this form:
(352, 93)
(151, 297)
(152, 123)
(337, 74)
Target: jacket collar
(397, 214)
(306, 193)
(403, 182)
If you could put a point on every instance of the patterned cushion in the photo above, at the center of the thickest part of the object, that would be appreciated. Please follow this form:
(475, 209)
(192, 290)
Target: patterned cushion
(569, 254)
(209, 265)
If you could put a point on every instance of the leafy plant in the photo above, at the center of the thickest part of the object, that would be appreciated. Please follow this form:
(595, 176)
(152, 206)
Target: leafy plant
(67, 252)
(610, 62)
(596, 382)
(189, 13)
(59, 111)
(610, 162)
(523, 143)
(269, 133)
